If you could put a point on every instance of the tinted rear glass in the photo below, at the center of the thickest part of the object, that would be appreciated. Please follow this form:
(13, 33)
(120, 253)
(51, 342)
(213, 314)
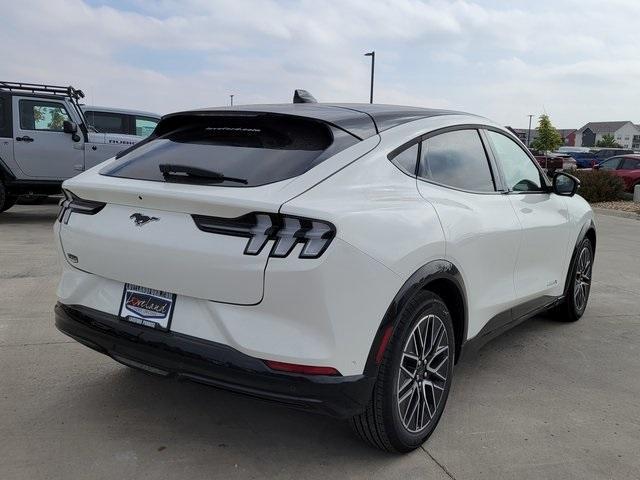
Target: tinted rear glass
(457, 159)
(259, 149)
(106, 122)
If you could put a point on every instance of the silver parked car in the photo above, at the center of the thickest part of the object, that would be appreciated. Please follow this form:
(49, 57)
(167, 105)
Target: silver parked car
(45, 139)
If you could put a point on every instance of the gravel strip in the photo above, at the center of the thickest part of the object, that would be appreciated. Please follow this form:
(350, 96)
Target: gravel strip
(625, 206)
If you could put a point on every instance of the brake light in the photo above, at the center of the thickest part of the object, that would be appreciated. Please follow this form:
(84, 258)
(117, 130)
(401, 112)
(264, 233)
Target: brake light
(303, 369)
(73, 204)
(286, 231)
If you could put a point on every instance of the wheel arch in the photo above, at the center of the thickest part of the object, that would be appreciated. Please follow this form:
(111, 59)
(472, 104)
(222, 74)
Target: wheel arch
(588, 230)
(438, 276)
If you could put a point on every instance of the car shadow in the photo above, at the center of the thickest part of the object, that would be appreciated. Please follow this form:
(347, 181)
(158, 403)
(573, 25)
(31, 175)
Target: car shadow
(126, 402)
(150, 414)
(31, 214)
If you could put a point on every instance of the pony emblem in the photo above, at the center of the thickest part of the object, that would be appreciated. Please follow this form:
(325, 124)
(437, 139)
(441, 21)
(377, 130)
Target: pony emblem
(141, 220)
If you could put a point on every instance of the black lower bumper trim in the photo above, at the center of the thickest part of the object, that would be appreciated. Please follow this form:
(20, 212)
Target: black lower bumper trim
(173, 354)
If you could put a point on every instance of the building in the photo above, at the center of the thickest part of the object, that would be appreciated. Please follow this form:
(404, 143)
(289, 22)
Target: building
(624, 133)
(568, 135)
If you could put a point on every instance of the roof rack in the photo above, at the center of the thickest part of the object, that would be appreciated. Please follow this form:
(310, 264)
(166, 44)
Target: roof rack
(41, 88)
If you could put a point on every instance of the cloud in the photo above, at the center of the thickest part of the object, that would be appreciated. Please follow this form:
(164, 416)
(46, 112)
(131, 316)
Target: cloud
(502, 60)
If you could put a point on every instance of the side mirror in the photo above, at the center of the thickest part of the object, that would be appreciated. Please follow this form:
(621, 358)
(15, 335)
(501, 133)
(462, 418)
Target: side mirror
(596, 166)
(565, 184)
(69, 127)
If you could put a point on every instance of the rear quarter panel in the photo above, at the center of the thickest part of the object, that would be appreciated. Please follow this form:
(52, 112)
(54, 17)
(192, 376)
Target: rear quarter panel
(377, 209)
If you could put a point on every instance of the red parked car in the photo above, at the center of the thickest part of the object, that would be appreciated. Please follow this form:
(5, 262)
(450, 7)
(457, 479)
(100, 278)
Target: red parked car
(626, 167)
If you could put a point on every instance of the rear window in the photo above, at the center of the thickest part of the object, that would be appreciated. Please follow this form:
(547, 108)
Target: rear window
(247, 150)
(107, 122)
(144, 126)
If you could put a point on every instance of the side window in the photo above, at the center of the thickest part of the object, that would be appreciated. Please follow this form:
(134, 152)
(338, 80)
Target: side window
(521, 175)
(610, 164)
(2, 122)
(457, 159)
(107, 122)
(406, 160)
(630, 164)
(145, 126)
(42, 115)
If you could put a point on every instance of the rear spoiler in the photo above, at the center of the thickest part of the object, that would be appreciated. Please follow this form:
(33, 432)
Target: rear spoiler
(354, 123)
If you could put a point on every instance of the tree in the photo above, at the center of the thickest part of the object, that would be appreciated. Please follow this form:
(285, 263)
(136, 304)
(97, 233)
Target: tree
(608, 141)
(548, 138)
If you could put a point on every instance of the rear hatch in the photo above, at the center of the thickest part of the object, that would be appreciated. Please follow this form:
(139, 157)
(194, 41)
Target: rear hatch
(176, 213)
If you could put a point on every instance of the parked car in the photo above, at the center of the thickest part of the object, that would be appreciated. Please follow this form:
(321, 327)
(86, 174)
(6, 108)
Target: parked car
(336, 258)
(584, 159)
(627, 167)
(550, 163)
(44, 139)
(572, 149)
(118, 120)
(553, 162)
(604, 153)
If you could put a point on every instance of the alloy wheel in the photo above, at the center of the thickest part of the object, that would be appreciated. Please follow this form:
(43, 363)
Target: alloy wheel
(582, 279)
(424, 367)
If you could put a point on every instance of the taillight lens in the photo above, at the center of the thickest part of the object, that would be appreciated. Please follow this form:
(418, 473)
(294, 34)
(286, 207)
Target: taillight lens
(286, 231)
(73, 204)
(303, 369)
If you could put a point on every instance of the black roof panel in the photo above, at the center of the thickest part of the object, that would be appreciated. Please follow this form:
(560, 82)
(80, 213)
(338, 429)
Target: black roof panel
(389, 116)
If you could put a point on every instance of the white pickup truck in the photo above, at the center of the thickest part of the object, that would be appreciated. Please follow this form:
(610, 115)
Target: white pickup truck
(45, 139)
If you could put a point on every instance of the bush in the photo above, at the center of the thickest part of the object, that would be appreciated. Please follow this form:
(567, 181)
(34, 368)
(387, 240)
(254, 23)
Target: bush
(599, 185)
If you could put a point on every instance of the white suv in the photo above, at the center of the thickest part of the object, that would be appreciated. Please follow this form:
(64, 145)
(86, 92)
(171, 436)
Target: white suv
(333, 257)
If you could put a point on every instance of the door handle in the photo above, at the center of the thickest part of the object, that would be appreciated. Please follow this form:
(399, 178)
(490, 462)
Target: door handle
(24, 138)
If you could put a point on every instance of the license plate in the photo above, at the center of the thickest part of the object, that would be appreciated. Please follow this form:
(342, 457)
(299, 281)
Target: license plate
(147, 307)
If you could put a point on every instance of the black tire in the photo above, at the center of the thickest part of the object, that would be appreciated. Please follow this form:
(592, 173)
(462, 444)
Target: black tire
(6, 201)
(574, 304)
(382, 424)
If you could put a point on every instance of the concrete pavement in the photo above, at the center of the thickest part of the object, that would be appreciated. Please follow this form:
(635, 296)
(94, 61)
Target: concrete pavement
(546, 400)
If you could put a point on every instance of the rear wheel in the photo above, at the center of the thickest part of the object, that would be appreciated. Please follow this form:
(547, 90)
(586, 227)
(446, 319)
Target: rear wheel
(414, 378)
(575, 303)
(6, 201)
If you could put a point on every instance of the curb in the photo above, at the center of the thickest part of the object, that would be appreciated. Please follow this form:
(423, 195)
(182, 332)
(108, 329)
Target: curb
(616, 213)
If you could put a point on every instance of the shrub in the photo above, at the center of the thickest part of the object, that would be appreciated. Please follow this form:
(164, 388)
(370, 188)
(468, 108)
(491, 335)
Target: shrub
(599, 185)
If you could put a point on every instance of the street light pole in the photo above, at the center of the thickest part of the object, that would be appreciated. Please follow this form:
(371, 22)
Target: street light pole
(529, 132)
(373, 66)
(231, 97)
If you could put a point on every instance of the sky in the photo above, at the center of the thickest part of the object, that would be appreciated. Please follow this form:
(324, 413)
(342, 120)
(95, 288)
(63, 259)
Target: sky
(577, 61)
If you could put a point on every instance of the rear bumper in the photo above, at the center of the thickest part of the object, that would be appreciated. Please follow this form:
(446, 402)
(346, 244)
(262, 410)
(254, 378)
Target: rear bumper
(172, 354)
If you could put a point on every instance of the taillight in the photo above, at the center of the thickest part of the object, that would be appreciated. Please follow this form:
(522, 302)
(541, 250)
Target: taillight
(303, 369)
(73, 204)
(286, 231)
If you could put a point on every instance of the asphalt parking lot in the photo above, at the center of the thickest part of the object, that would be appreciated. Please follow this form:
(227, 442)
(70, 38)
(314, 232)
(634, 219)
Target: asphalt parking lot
(546, 400)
